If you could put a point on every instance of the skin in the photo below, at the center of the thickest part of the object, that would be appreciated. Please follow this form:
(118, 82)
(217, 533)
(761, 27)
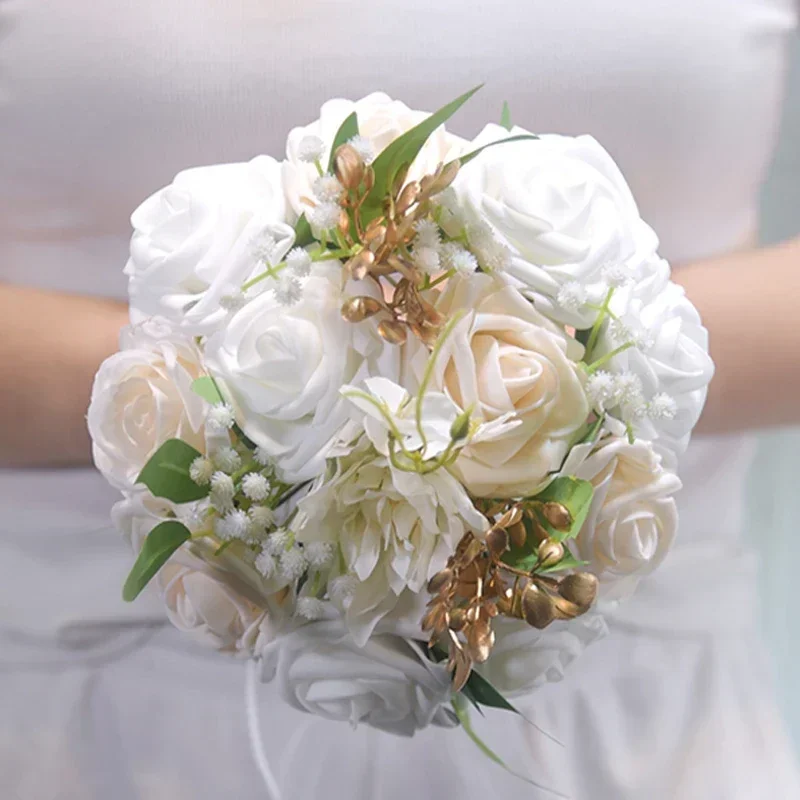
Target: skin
(747, 301)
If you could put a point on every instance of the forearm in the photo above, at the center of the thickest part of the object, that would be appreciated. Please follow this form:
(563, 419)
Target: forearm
(50, 347)
(748, 302)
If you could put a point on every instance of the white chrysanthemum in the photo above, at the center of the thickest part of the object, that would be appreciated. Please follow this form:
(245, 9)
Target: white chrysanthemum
(262, 517)
(628, 389)
(201, 470)
(195, 516)
(299, 262)
(222, 491)
(455, 256)
(232, 302)
(364, 148)
(220, 418)
(428, 234)
(324, 216)
(288, 290)
(571, 296)
(262, 457)
(234, 525)
(342, 588)
(616, 275)
(426, 259)
(255, 487)
(392, 540)
(310, 608)
(266, 564)
(311, 149)
(601, 390)
(662, 407)
(327, 188)
(319, 554)
(278, 541)
(264, 247)
(292, 563)
(492, 254)
(226, 459)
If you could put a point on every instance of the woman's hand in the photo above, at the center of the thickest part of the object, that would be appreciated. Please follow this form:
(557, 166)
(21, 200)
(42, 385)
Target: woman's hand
(50, 347)
(750, 303)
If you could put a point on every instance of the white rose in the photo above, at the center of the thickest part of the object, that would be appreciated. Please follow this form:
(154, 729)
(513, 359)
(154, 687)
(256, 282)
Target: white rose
(505, 357)
(671, 355)
(561, 207)
(196, 240)
(380, 121)
(282, 369)
(394, 529)
(633, 519)
(523, 658)
(141, 397)
(388, 683)
(212, 606)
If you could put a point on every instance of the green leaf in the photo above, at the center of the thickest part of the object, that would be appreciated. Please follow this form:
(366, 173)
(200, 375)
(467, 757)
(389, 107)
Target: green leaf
(481, 692)
(206, 387)
(347, 130)
(520, 137)
(505, 116)
(159, 545)
(302, 232)
(166, 474)
(568, 562)
(403, 151)
(574, 493)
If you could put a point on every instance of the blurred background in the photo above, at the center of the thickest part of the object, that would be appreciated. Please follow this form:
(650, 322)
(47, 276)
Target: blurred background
(774, 502)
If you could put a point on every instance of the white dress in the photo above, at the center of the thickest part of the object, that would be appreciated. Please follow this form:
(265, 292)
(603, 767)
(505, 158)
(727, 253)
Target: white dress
(100, 104)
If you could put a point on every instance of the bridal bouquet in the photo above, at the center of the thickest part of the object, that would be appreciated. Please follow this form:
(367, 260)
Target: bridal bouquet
(399, 415)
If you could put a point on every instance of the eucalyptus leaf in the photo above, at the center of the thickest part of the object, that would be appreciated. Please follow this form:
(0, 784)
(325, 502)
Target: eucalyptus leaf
(159, 545)
(402, 151)
(520, 137)
(166, 474)
(303, 235)
(505, 116)
(481, 692)
(573, 493)
(206, 387)
(347, 130)
(568, 562)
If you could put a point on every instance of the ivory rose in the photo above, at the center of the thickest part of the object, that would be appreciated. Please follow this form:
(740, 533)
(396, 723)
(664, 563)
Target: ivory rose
(633, 519)
(141, 397)
(380, 121)
(196, 241)
(561, 207)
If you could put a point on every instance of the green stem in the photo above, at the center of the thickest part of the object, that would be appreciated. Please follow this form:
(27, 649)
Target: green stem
(441, 279)
(595, 365)
(598, 323)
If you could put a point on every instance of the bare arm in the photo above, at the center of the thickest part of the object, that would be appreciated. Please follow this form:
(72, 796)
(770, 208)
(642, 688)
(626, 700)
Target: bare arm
(50, 347)
(749, 303)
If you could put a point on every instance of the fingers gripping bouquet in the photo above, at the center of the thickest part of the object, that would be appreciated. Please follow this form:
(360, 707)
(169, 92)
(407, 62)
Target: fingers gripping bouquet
(399, 414)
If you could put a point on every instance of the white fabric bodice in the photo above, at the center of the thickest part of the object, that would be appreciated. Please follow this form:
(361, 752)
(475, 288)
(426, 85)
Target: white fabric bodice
(102, 103)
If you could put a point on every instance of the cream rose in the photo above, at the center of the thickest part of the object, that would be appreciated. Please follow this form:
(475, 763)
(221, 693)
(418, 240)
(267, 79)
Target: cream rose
(561, 207)
(141, 397)
(388, 683)
(633, 519)
(505, 357)
(196, 240)
(210, 605)
(380, 121)
(282, 369)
